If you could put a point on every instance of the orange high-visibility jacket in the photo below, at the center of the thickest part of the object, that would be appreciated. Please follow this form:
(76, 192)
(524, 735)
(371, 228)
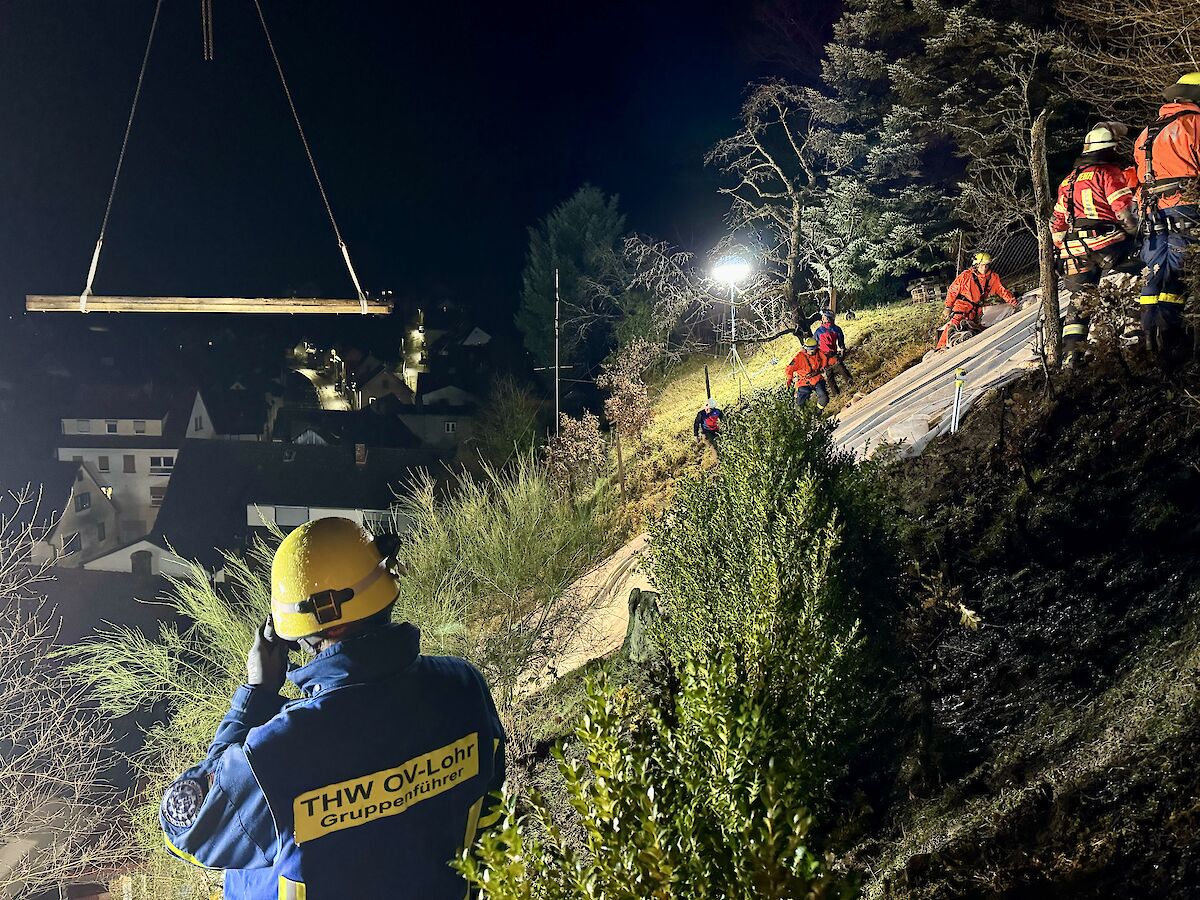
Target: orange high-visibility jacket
(1176, 151)
(806, 368)
(970, 289)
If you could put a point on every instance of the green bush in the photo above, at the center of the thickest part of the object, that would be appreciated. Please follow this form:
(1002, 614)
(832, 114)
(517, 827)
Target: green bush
(775, 559)
(701, 800)
(490, 567)
(189, 674)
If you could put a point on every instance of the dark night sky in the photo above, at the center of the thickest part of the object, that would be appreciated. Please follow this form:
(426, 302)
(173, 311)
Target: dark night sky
(441, 133)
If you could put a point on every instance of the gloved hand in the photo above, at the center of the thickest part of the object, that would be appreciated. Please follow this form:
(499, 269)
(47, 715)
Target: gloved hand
(266, 663)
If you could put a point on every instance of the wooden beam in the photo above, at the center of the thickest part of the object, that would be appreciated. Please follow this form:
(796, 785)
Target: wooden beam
(95, 303)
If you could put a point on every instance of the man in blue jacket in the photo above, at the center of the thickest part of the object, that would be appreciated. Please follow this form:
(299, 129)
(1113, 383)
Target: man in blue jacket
(376, 778)
(707, 425)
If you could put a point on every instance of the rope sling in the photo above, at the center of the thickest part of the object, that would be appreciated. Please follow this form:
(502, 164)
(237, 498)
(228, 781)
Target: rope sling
(206, 25)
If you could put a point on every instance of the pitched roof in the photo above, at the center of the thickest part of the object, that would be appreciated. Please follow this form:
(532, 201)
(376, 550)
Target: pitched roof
(345, 427)
(34, 477)
(236, 412)
(213, 482)
(124, 401)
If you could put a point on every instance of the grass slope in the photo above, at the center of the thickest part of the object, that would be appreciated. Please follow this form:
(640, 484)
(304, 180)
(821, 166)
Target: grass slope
(883, 342)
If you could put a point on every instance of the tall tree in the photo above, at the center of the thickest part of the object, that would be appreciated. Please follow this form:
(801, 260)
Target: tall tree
(779, 163)
(579, 239)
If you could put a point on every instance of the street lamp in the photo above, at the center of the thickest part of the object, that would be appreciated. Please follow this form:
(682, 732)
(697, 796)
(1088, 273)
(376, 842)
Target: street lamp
(732, 270)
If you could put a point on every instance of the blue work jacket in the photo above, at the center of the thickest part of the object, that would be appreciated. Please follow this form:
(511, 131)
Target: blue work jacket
(365, 788)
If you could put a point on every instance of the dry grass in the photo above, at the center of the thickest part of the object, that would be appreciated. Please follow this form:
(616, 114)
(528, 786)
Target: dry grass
(883, 342)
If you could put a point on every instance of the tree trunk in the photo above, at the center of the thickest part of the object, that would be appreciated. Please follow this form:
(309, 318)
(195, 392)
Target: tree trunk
(620, 465)
(1047, 265)
(791, 285)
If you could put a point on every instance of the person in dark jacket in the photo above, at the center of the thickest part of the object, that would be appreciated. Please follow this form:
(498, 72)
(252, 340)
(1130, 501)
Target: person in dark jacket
(370, 783)
(707, 426)
(832, 343)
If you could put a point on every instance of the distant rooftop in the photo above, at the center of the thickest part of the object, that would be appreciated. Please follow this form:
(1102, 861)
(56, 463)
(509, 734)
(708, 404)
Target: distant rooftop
(213, 482)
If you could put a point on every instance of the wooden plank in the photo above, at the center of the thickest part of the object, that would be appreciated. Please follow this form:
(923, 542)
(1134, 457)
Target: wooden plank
(96, 303)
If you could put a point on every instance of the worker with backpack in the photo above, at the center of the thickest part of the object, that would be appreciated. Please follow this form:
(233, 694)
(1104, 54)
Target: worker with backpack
(1093, 227)
(707, 425)
(831, 341)
(1167, 154)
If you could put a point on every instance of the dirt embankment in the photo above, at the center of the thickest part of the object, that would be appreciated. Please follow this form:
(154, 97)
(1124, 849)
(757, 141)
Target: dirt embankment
(1051, 752)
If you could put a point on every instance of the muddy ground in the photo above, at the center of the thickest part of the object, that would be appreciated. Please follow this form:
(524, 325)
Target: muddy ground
(1050, 751)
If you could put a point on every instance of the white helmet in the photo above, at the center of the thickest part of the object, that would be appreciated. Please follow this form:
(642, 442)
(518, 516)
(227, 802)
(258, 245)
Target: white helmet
(1104, 136)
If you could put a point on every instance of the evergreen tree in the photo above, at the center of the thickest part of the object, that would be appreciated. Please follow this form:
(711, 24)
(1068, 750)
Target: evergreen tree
(580, 238)
(893, 216)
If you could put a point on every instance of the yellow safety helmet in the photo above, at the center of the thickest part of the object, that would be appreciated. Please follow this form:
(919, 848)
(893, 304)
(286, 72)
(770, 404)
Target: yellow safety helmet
(981, 257)
(327, 573)
(1186, 88)
(809, 343)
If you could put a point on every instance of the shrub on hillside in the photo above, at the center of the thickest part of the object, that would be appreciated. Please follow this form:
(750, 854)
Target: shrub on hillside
(700, 800)
(489, 568)
(777, 560)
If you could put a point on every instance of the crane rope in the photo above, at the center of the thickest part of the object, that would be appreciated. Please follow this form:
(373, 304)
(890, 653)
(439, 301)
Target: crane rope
(362, 297)
(87, 290)
(206, 28)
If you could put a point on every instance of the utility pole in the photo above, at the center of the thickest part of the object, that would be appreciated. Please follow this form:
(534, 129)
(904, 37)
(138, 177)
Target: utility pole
(557, 301)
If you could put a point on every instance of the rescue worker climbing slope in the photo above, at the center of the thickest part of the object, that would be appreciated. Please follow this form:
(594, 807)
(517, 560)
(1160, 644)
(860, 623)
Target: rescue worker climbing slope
(1092, 225)
(370, 783)
(707, 424)
(832, 342)
(1167, 154)
(968, 293)
(805, 373)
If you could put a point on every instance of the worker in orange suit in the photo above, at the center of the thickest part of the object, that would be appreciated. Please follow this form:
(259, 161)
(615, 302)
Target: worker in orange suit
(806, 371)
(1093, 226)
(969, 292)
(1167, 154)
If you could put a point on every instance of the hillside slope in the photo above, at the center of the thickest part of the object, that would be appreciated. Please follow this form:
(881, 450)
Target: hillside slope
(1050, 752)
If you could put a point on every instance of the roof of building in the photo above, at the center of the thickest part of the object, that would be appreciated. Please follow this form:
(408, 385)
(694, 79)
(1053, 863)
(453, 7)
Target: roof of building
(214, 482)
(345, 427)
(31, 479)
(80, 603)
(236, 411)
(123, 401)
(171, 440)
